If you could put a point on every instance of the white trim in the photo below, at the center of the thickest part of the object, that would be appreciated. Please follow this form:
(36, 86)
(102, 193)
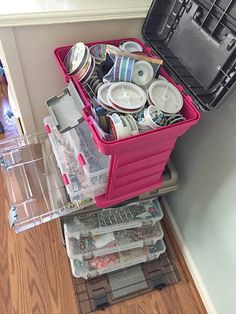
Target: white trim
(190, 262)
(82, 15)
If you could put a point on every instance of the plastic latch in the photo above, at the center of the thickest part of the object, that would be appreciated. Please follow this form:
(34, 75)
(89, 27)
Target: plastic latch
(12, 216)
(47, 129)
(65, 179)
(159, 283)
(81, 160)
(101, 301)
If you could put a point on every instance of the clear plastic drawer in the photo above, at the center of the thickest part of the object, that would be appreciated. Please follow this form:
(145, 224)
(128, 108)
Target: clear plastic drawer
(113, 219)
(32, 181)
(84, 169)
(117, 241)
(115, 261)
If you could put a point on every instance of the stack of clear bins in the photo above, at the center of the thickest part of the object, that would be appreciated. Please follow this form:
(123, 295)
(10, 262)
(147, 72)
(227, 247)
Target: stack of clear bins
(114, 238)
(84, 169)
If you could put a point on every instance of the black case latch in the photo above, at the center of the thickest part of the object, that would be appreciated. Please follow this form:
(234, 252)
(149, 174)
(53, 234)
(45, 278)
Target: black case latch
(101, 301)
(159, 283)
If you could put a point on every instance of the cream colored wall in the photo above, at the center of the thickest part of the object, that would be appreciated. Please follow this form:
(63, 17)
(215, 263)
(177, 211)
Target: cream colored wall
(35, 45)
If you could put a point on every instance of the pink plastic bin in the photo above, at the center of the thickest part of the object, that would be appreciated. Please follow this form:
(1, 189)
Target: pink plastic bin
(137, 162)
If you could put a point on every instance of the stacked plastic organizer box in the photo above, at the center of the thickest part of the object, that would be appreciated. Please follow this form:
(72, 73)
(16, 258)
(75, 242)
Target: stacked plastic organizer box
(114, 238)
(84, 169)
(137, 162)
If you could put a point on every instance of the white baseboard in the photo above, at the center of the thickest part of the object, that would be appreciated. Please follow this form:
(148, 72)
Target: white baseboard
(190, 262)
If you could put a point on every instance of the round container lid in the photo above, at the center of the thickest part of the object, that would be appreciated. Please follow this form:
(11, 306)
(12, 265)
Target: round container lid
(103, 93)
(127, 96)
(143, 73)
(165, 96)
(131, 46)
(74, 57)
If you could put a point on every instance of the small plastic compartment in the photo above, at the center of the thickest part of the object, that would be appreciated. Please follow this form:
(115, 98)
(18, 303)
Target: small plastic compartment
(115, 261)
(34, 187)
(83, 168)
(113, 219)
(66, 109)
(111, 242)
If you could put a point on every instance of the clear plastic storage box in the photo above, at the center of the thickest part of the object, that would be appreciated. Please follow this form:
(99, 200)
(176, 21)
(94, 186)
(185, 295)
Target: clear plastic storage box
(115, 261)
(113, 219)
(111, 242)
(84, 169)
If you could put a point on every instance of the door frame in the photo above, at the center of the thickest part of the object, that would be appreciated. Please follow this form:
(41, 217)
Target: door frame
(16, 83)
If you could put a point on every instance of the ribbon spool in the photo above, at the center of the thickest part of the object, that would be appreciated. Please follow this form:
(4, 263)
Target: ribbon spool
(154, 117)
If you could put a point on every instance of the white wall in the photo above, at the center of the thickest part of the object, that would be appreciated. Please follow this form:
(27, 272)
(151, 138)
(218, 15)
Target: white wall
(35, 46)
(205, 205)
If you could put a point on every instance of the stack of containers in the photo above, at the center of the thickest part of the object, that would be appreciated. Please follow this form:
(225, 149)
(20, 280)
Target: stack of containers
(114, 238)
(137, 162)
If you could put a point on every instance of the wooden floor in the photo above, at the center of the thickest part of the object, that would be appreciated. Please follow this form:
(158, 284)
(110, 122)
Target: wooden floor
(36, 278)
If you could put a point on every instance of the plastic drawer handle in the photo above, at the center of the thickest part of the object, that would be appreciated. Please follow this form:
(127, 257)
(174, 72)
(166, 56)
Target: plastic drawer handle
(65, 179)
(47, 129)
(81, 160)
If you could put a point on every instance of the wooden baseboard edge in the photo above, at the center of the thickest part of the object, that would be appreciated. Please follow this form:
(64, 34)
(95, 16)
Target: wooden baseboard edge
(189, 261)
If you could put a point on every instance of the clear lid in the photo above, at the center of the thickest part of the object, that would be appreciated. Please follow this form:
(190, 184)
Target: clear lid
(34, 188)
(84, 169)
(115, 261)
(113, 219)
(111, 242)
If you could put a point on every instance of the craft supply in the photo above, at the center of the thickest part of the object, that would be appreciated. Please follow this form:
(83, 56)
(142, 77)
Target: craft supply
(133, 125)
(74, 57)
(102, 95)
(135, 56)
(126, 96)
(98, 51)
(141, 121)
(99, 114)
(143, 73)
(131, 46)
(171, 119)
(165, 96)
(119, 126)
(154, 117)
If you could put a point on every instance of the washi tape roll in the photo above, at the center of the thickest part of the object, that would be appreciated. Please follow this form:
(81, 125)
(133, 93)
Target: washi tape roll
(120, 128)
(154, 117)
(174, 119)
(130, 46)
(141, 121)
(133, 125)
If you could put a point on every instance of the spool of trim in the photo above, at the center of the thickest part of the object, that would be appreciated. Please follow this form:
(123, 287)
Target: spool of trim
(154, 117)
(119, 127)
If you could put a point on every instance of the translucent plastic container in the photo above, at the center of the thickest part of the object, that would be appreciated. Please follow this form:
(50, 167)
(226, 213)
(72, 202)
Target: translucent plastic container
(23, 149)
(115, 261)
(113, 219)
(83, 168)
(33, 183)
(111, 242)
